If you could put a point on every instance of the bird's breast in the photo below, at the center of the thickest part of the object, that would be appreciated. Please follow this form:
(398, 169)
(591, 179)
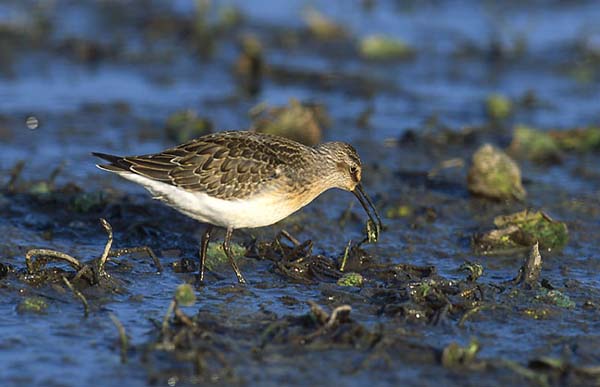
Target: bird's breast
(262, 209)
(258, 210)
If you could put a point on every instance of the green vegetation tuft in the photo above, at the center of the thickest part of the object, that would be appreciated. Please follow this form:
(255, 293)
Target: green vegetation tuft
(185, 295)
(351, 279)
(34, 304)
(498, 106)
(379, 47)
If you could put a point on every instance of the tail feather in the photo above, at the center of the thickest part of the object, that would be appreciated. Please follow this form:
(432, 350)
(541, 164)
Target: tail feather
(117, 163)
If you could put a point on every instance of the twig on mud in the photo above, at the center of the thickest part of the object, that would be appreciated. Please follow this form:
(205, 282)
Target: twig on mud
(79, 295)
(591, 371)
(104, 257)
(54, 174)
(165, 323)
(96, 274)
(184, 318)
(122, 337)
(536, 378)
(337, 314)
(108, 253)
(291, 238)
(326, 320)
(45, 255)
(440, 315)
(200, 366)
(86, 269)
(15, 173)
(472, 312)
(345, 258)
(529, 273)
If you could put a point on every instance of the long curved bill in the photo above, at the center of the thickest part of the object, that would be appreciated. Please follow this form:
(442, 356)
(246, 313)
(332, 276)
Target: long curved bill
(374, 225)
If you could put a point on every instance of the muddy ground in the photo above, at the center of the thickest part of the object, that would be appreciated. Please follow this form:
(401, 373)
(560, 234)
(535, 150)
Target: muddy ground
(425, 305)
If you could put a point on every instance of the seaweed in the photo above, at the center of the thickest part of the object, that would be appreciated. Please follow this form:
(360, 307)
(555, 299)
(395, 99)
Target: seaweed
(498, 107)
(124, 341)
(495, 175)
(520, 230)
(93, 273)
(380, 47)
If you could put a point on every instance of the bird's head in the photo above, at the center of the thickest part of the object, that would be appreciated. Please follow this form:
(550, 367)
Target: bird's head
(345, 172)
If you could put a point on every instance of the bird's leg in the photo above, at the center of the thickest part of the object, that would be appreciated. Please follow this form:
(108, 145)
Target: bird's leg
(227, 249)
(203, 247)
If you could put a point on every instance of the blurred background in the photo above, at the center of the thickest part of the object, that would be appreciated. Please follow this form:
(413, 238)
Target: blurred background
(416, 86)
(125, 76)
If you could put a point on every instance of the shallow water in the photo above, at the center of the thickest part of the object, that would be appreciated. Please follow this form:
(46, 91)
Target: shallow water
(118, 103)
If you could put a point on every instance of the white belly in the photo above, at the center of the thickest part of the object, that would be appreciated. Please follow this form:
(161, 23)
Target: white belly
(258, 211)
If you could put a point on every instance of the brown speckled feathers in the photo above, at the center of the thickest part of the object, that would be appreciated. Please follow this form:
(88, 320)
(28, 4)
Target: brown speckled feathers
(224, 165)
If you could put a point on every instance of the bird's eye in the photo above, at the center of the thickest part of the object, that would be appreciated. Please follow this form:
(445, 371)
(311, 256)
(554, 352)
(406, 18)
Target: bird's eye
(353, 169)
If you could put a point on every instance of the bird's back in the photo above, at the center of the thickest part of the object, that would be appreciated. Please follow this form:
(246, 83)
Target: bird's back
(224, 165)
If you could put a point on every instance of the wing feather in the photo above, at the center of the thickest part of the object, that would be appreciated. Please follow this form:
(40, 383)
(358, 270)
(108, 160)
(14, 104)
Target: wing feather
(225, 165)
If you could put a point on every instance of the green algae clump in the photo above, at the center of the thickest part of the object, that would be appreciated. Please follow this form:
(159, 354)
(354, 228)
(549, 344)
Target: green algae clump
(535, 145)
(40, 188)
(185, 295)
(579, 140)
(523, 229)
(321, 26)
(399, 211)
(455, 356)
(536, 226)
(493, 174)
(215, 255)
(379, 47)
(351, 279)
(556, 297)
(550, 146)
(33, 305)
(498, 107)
